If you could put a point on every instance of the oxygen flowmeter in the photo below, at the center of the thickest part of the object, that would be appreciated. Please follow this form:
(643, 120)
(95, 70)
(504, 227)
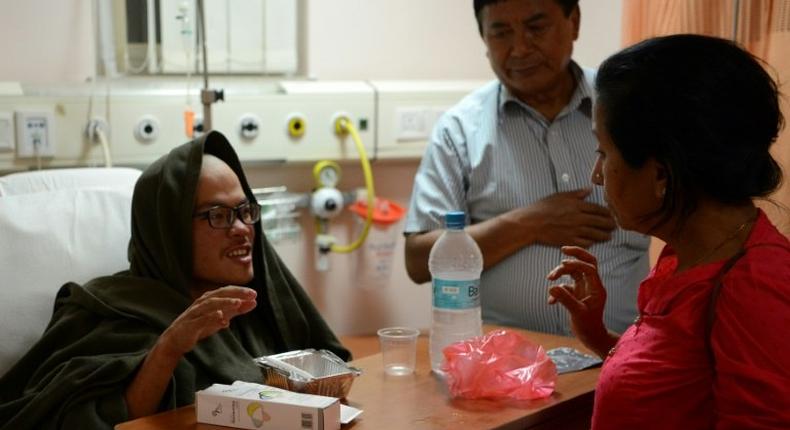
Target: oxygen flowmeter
(326, 202)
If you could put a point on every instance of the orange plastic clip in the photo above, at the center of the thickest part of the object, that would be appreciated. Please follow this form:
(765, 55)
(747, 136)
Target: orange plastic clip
(189, 122)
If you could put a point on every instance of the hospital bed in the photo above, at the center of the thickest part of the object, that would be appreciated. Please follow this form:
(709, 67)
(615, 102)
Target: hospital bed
(56, 226)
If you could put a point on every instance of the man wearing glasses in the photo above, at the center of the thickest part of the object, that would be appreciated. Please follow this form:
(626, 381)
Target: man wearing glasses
(205, 293)
(222, 229)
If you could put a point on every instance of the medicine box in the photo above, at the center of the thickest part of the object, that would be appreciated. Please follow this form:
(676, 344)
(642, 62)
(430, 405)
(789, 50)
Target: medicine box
(247, 405)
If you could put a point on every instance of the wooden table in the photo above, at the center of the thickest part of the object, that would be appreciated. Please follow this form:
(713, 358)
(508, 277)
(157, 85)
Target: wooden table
(421, 400)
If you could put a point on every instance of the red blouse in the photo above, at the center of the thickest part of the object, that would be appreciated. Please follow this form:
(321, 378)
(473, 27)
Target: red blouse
(660, 375)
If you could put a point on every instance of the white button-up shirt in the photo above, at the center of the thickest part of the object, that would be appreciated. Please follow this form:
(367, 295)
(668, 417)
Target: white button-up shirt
(492, 153)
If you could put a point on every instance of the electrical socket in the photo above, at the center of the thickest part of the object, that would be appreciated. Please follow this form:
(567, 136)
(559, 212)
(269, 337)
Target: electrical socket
(6, 131)
(35, 131)
(416, 123)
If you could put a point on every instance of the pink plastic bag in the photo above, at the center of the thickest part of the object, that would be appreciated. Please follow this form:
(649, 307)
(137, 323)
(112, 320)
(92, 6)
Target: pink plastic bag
(501, 364)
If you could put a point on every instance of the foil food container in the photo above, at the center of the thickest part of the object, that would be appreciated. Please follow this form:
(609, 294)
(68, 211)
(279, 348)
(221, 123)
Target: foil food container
(308, 371)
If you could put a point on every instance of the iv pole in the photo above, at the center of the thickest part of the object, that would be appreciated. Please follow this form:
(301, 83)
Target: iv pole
(207, 95)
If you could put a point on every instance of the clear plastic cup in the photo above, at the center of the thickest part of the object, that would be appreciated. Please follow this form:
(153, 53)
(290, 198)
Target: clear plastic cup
(399, 349)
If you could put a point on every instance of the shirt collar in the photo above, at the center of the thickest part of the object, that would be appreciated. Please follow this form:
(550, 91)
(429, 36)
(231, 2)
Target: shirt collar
(581, 99)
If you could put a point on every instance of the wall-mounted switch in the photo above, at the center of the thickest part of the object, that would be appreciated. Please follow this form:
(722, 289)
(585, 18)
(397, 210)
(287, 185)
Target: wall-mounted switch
(416, 123)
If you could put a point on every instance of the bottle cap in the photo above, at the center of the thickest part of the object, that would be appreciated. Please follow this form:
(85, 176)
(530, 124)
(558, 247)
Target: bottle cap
(455, 220)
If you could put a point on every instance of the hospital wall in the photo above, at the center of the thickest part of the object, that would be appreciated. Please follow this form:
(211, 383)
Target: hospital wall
(48, 41)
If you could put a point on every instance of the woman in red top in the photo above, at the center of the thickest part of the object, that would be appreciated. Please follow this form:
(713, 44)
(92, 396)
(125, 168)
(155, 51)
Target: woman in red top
(684, 125)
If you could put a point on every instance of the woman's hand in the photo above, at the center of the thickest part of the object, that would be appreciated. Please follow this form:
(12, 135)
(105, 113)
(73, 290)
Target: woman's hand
(207, 315)
(584, 299)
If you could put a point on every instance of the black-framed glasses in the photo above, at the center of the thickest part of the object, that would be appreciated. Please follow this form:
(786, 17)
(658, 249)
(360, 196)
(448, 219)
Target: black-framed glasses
(222, 217)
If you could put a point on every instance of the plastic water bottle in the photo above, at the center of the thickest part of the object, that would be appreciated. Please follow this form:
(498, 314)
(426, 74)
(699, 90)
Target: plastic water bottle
(455, 263)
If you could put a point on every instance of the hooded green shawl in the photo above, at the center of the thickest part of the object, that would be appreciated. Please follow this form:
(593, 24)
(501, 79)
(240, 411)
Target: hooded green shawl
(76, 375)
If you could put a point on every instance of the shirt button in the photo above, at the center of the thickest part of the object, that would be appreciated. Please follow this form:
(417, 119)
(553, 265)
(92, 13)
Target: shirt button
(637, 319)
(566, 177)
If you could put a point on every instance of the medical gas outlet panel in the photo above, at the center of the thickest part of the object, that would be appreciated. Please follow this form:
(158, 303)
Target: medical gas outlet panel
(284, 121)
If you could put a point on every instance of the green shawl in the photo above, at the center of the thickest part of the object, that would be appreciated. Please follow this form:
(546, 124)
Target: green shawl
(76, 375)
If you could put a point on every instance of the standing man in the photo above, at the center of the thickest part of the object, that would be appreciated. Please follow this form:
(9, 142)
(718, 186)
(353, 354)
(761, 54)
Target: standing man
(516, 156)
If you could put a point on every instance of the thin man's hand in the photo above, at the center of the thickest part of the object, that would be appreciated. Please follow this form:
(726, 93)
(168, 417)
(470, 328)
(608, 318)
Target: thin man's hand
(207, 315)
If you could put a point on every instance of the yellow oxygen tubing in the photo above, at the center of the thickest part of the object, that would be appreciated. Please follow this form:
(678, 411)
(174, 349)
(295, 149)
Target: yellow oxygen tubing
(342, 126)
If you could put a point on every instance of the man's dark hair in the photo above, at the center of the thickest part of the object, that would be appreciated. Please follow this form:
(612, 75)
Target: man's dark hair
(704, 108)
(566, 5)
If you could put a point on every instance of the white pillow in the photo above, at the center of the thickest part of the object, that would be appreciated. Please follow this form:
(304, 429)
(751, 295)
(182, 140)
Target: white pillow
(50, 238)
(58, 179)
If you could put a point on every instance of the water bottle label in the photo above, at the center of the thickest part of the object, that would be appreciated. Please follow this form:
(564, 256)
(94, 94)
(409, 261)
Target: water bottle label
(456, 295)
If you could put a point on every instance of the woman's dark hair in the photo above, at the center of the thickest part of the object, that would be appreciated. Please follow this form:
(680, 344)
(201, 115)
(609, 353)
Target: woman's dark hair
(701, 106)
(566, 5)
